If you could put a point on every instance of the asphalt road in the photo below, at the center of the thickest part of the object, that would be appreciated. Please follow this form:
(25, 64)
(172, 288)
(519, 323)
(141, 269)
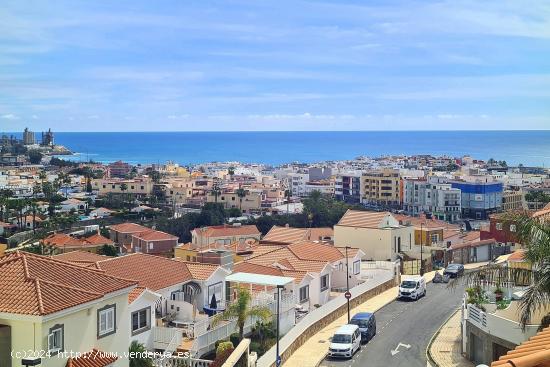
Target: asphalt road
(407, 322)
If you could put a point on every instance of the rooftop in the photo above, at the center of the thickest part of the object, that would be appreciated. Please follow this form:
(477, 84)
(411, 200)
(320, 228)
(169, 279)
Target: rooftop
(533, 353)
(39, 285)
(363, 219)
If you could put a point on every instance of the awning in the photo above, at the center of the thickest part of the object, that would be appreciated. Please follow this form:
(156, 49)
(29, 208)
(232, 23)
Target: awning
(192, 288)
(260, 279)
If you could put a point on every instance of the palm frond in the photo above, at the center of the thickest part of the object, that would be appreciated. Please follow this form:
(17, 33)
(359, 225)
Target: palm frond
(536, 296)
(261, 312)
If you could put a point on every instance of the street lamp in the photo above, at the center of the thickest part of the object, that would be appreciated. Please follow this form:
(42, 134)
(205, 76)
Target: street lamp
(278, 357)
(347, 279)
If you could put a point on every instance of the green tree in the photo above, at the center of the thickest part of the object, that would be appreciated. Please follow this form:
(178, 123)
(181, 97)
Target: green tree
(123, 188)
(138, 355)
(108, 250)
(241, 310)
(535, 235)
(35, 157)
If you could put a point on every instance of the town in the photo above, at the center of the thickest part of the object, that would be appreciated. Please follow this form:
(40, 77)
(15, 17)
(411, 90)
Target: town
(383, 260)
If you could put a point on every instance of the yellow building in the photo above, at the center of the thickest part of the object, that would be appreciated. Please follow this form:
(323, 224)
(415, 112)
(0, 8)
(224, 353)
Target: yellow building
(513, 200)
(381, 188)
(53, 306)
(3, 248)
(252, 201)
(137, 187)
(378, 234)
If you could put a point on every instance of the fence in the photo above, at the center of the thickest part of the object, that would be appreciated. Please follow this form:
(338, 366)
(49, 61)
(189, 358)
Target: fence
(181, 362)
(388, 265)
(322, 316)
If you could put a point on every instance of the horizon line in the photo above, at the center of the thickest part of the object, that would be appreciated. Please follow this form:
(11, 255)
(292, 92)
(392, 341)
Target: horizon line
(282, 131)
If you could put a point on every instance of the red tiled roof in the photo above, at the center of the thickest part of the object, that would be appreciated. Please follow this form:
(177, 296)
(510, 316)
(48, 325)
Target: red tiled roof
(39, 285)
(518, 256)
(200, 271)
(135, 293)
(228, 231)
(364, 219)
(63, 240)
(80, 257)
(128, 228)
(457, 246)
(284, 235)
(93, 358)
(154, 235)
(307, 250)
(532, 353)
(153, 272)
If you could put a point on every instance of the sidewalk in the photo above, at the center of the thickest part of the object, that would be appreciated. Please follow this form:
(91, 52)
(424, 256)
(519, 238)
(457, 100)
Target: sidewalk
(445, 348)
(313, 351)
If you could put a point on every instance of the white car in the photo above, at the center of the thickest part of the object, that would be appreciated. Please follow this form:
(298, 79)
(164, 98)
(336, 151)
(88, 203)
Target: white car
(345, 342)
(412, 288)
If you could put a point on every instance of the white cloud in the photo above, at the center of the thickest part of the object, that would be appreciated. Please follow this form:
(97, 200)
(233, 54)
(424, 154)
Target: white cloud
(9, 116)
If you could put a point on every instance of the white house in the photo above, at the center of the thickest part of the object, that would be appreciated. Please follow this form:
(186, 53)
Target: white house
(72, 205)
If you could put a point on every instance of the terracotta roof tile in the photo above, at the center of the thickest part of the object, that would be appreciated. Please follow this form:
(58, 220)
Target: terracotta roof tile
(153, 272)
(200, 271)
(93, 358)
(154, 235)
(80, 257)
(285, 235)
(39, 285)
(532, 353)
(308, 250)
(135, 293)
(128, 228)
(228, 231)
(364, 219)
(478, 243)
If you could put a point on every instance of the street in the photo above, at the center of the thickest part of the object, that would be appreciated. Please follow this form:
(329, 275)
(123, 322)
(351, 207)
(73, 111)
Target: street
(404, 329)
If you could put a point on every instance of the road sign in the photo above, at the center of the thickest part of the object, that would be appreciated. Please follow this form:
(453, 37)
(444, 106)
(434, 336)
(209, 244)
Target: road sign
(347, 295)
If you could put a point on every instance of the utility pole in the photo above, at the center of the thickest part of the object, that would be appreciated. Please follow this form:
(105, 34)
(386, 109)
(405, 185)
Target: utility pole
(421, 249)
(347, 280)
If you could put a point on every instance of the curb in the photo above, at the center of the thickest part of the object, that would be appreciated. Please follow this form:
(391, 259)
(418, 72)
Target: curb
(384, 305)
(430, 360)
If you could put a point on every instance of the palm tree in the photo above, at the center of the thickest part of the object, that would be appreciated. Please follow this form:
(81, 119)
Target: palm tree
(288, 195)
(534, 233)
(241, 193)
(241, 310)
(138, 355)
(216, 191)
(123, 188)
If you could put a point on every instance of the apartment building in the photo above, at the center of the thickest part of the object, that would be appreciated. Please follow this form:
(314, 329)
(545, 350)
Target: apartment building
(133, 237)
(347, 188)
(297, 183)
(513, 200)
(479, 198)
(118, 169)
(252, 201)
(442, 201)
(55, 306)
(381, 188)
(138, 187)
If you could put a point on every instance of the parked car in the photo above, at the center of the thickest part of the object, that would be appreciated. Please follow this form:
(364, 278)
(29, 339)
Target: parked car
(366, 323)
(454, 270)
(345, 342)
(412, 288)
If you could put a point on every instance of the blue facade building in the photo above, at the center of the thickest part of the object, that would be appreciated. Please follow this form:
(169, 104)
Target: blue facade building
(479, 199)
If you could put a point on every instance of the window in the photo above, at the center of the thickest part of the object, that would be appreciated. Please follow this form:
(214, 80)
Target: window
(435, 238)
(512, 227)
(499, 226)
(357, 267)
(106, 321)
(324, 282)
(304, 293)
(141, 321)
(55, 339)
(142, 187)
(151, 244)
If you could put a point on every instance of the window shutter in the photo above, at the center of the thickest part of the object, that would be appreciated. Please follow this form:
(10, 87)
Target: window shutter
(51, 339)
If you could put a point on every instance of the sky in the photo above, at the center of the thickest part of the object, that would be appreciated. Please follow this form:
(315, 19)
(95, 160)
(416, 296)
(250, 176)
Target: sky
(162, 65)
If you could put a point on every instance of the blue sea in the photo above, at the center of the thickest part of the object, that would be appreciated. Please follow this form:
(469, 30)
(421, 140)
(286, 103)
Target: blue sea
(531, 148)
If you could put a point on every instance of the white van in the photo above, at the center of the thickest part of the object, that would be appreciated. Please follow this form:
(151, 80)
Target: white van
(412, 288)
(345, 342)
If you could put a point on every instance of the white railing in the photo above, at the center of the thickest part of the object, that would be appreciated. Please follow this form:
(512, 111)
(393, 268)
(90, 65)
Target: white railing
(181, 362)
(499, 326)
(387, 265)
(318, 314)
(163, 336)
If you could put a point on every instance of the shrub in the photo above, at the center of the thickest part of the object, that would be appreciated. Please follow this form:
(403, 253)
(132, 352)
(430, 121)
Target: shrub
(235, 339)
(223, 347)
